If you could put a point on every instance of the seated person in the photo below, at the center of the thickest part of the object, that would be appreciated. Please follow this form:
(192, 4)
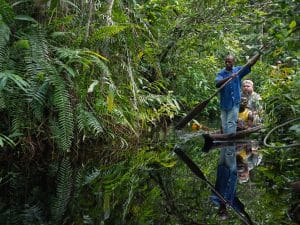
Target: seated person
(254, 100)
(245, 119)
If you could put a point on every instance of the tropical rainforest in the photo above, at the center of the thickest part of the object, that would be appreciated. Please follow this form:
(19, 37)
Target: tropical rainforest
(90, 92)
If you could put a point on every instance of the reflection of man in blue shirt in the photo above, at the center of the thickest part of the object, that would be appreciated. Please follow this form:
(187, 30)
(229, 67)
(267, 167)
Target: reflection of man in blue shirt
(230, 97)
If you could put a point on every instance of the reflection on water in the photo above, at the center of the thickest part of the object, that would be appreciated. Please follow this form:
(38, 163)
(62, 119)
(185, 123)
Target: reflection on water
(247, 157)
(264, 173)
(183, 137)
(237, 158)
(235, 162)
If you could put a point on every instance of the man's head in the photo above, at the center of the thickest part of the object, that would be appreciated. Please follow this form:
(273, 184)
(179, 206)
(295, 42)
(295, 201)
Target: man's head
(247, 86)
(229, 61)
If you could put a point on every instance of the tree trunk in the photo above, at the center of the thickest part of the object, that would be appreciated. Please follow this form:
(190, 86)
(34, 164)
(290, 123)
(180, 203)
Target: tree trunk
(109, 12)
(91, 11)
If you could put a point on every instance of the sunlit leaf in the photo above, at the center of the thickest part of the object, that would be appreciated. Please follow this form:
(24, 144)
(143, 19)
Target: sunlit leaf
(92, 86)
(293, 24)
(168, 164)
(110, 101)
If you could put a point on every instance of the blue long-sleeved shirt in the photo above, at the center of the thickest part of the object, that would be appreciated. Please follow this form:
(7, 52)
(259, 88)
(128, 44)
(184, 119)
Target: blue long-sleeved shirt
(230, 95)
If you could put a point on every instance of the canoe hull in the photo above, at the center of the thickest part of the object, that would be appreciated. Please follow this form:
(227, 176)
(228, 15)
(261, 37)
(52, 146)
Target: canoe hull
(237, 135)
(219, 140)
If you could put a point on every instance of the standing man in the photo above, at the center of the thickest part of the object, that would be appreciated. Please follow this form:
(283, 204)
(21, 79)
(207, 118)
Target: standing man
(230, 96)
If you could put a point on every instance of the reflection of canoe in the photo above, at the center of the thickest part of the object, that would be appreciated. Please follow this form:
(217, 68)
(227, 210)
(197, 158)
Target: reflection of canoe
(210, 144)
(220, 140)
(238, 134)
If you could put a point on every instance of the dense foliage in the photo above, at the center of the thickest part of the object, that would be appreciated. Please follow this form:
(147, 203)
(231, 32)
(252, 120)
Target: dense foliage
(89, 91)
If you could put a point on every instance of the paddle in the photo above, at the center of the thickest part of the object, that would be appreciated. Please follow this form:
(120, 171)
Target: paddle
(199, 108)
(195, 169)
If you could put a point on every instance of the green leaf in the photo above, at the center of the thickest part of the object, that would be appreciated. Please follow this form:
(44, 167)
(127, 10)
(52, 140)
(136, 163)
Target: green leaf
(13, 77)
(293, 24)
(1, 142)
(7, 140)
(54, 4)
(69, 70)
(25, 18)
(106, 205)
(110, 101)
(22, 44)
(95, 54)
(4, 30)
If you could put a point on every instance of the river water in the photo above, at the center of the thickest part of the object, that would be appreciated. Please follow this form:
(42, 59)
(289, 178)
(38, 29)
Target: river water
(256, 183)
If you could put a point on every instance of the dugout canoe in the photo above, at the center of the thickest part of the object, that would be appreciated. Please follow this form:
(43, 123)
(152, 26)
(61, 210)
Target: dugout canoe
(237, 135)
(220, 139)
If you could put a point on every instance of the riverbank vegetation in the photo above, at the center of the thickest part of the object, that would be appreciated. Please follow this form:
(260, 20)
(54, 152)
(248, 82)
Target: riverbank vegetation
(90, 92)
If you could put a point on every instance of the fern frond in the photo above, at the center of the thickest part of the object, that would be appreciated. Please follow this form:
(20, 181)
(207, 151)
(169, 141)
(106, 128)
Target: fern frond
(133, 185)
(107, 32)
(17, 122)
(87, 122)
(63, 191)
(39, 46)
(36, 97)
(126, 119)
(37, 57)
(32, 215)
(2, 101)
(78, 184)
(61, 102)
(4, 38)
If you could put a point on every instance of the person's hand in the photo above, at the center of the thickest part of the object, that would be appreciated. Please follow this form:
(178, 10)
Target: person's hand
(234, 75)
